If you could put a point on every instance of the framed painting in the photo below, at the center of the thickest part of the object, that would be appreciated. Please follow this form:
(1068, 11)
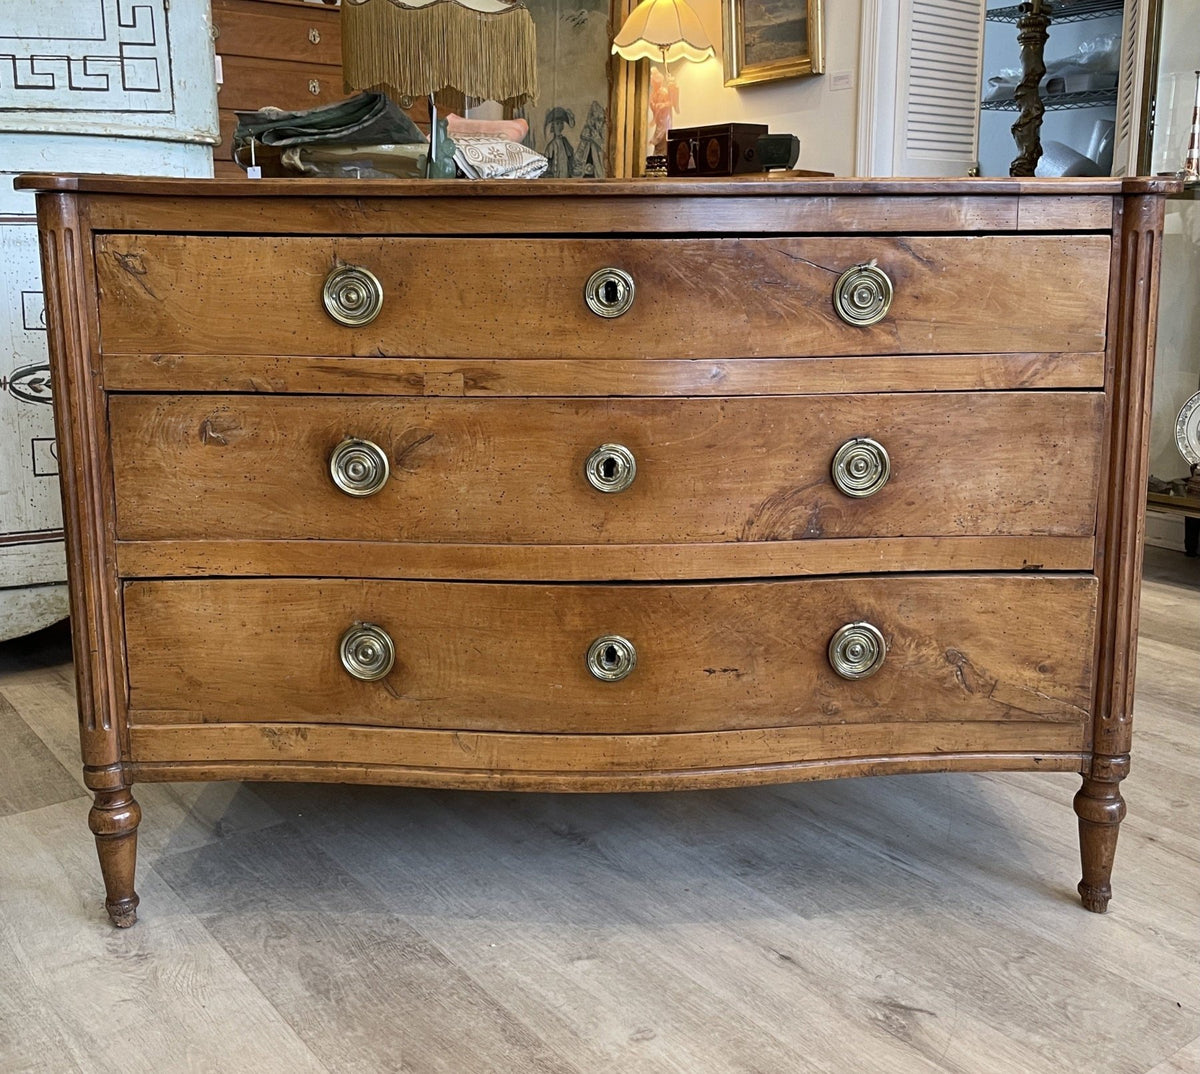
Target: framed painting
(766, 40)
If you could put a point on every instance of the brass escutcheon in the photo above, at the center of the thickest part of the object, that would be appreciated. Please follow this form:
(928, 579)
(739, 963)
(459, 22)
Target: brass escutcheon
(367, 652)
(857, 650)
(353, 296)
(609, 292)
(861, 467)
(314, 86)
(314, 35)
(863, 294)
(611, 657)
(359, 467)
(610, 468)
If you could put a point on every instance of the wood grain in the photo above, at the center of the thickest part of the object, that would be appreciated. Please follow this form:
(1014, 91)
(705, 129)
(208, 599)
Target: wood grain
(230, 295)
(431, 207)
(690, 779)
(251, 28)
(598, 563)
(252, 82)
(378, 972)
(1099, 804)
(512, 471)
(511, 657)
(542, 762)
(79, 414)
(767, 184)
(599, 377)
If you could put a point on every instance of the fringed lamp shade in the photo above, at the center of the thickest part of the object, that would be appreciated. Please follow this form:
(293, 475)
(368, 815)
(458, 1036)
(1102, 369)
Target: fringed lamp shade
(665, 30)
(485, 49)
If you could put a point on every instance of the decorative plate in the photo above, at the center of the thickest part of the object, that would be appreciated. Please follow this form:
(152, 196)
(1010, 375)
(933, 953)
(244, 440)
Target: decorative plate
(1187, 430)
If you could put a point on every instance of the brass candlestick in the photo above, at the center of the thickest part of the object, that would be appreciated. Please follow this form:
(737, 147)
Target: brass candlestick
(1032, 33)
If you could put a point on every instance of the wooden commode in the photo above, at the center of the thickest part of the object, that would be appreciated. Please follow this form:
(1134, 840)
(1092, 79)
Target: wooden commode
(580, 486)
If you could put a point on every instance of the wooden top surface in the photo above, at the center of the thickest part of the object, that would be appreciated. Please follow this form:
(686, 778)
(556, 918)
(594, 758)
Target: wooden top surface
(766, 184)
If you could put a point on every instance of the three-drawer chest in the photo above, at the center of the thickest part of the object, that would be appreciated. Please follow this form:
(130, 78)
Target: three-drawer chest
(612, 485)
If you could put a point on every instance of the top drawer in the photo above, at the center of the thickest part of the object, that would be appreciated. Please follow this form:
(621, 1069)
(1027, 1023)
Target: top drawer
(691, 298)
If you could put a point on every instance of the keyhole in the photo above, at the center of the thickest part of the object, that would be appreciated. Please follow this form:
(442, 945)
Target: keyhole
(610, 658)
(612, 292)
(608, 468)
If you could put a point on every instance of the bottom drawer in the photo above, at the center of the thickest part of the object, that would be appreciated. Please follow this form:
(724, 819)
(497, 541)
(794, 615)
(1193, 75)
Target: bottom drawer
(959, 652)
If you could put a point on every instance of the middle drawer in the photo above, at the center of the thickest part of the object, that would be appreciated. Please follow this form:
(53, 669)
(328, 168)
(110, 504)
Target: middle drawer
(593, 471)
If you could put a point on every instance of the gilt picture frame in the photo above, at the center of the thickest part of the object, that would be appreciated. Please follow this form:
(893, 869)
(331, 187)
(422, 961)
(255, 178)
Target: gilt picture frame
(768, 40)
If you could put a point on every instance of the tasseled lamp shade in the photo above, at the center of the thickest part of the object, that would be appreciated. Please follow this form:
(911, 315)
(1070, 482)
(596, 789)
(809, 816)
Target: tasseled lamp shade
(663, 30)
(486, 49)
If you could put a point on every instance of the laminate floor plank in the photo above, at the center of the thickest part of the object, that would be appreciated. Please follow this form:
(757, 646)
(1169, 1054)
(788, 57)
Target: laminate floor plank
(1032, 891)
(1170, 567)
(163, 996)
(757, 960)
(34, 776)
(641, 967)
(959, 861)
(1170, 616)
(363, 989)
(1184, 1061)
(45, 700)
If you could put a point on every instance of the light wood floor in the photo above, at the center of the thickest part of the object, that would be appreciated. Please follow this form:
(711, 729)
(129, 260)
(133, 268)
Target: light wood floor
(911, 923)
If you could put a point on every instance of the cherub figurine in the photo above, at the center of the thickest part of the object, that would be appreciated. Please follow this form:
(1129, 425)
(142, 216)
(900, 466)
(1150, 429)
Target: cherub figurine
(664, 102)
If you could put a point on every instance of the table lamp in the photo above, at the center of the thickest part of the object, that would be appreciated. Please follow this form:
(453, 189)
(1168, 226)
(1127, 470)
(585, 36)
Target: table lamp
(484, 49)
(663, 30)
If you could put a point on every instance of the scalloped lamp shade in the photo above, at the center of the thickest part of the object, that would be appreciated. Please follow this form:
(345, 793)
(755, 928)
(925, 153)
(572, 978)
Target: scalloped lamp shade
(664, 30)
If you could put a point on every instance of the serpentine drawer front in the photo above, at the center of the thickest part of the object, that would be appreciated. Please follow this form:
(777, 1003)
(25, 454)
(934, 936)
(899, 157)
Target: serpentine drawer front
(708, 657)
(634, 471)
(601, 485)
(479, 298)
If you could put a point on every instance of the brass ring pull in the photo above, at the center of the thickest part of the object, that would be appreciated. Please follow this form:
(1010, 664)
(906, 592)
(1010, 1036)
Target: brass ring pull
(367, 652)
(610, 468)
(609, 292)
(857, 650)
(353, 296)
(863, 295)
(611, 657)
(359, 467)
(861, 467)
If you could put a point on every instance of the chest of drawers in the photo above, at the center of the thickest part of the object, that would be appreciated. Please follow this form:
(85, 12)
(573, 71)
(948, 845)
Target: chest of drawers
(282, 53)
(601, 485)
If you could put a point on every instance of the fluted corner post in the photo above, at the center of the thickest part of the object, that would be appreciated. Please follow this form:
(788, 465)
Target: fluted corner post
(1032, 34)
(86, 481)
(1130, 377)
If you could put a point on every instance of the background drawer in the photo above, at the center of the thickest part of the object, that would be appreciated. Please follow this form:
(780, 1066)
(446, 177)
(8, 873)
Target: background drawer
(1011, 649)
(695, 298)
(277, 32)
(252, 83)
(512, 471)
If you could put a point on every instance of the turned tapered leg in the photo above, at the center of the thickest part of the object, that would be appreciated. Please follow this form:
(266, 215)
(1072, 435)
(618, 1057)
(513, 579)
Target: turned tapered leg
(114, 822)
(1101, 809)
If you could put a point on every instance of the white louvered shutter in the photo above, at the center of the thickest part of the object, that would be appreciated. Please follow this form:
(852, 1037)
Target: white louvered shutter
(1131, 87)
(938, 88)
